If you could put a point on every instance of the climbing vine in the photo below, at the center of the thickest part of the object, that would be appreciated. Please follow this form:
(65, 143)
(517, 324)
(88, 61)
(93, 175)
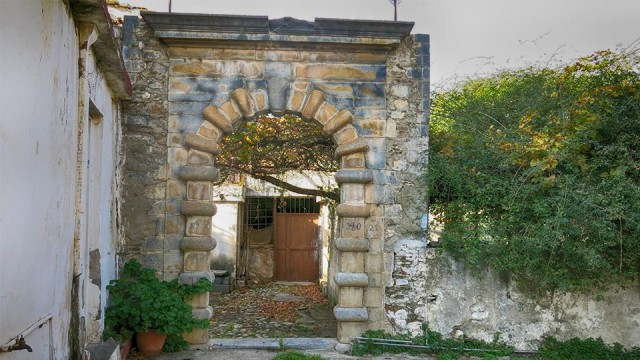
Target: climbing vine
(536, 173)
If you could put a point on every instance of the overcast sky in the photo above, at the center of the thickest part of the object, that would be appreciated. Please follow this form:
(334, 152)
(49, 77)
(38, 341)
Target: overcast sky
(468, 37)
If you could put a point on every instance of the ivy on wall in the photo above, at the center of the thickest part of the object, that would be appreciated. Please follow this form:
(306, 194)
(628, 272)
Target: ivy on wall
(536, 173)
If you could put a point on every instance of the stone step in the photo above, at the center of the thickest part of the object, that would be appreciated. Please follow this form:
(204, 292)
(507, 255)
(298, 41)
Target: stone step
(274, 344)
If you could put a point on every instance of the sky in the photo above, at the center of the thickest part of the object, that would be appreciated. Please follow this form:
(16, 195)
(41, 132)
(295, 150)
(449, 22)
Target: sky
(468, 37)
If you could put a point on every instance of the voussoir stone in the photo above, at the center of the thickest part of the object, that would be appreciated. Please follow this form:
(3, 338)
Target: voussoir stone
(342, 118)
(316, 98)
(245, 102)
(201, 143)
(354, 176)
(203, 208)
(217, 118)
(198, 173)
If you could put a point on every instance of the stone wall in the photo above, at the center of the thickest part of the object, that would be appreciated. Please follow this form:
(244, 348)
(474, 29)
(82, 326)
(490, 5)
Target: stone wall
(145, 152)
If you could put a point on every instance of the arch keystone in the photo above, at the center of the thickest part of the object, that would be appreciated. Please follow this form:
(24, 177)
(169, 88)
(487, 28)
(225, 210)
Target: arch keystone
(217, 118)
(342, 118)
(245, 102)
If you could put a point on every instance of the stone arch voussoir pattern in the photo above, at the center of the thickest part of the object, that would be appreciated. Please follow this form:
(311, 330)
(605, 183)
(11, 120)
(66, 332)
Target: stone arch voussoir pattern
(353, 175)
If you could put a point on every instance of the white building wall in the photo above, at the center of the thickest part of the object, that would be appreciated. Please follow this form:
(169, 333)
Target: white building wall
(39, 131)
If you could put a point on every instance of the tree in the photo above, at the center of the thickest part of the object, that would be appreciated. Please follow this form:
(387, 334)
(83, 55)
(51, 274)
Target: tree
(271, 146)
(536, 172)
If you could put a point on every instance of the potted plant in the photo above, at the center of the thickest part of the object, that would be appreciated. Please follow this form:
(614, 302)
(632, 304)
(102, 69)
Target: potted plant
(150, 308)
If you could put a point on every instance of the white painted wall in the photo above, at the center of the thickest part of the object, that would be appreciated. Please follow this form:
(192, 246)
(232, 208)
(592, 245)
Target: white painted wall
(39, 129)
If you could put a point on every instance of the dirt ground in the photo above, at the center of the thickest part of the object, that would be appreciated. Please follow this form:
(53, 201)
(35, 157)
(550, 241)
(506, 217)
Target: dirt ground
(273, 311)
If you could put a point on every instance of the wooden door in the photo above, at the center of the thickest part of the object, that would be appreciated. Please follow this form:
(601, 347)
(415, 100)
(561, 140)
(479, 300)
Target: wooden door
(296, 247)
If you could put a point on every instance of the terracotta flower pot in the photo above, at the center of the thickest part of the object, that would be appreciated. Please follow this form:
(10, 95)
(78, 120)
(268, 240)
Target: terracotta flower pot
(150, 342)
(125, 347)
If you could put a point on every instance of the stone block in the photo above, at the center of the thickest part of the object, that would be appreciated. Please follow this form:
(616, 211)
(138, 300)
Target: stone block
(352, 262)
(172, 242)
(184, 123)
(353, 210)
(200, 208)
(197, 336)
(192, 278)
(201, 143)
(374, 263)
(345, 135)
(340, 72)
(338, 121)
(374, 228)
(281, 55)
(351, 314)
(373, 298)
(231, 110)
(314, 100)
(172, 260)
(199, 190)
(190, 97)
(369, 89)
(335, 89)
(210, 131)
(175, 189)
(233, 54)
(353, 161)
(344, 279)
(217, 118)
(374, 194)
(374, 128)
(352, 245)
(198, 226)
(199, 300)
(175, 139)
(199, 158)
(204, 313)
(354, 176)
(187, 107)
(376, 244)
(198, 173)
(325, 112)
(350, 297)
(189, 52)
(260, 100)
(351, 192)
(137, 120)
(370, 102)
(352, 228)
(244, 101)
(198, 243)
(216, 68)
(177, 156)
(296, 101)
(196, 261)
(347, 331)
(357, 146)
(156, 191)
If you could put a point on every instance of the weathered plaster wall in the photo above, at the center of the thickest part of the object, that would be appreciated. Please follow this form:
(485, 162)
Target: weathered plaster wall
(38, 160)
(45, 142)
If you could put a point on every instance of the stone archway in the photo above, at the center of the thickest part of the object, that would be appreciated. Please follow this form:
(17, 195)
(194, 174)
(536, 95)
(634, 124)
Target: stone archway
(366, 82)
(353, 175)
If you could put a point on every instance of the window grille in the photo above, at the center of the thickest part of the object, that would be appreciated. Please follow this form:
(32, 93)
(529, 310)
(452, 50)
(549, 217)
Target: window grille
(258, 213)
(298, 206)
